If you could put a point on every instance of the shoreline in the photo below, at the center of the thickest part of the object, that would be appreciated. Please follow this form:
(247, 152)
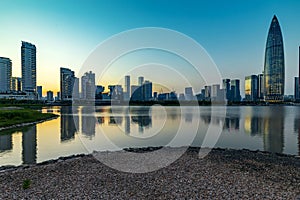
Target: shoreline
(21, 125)
(225, 173)
(143, 150)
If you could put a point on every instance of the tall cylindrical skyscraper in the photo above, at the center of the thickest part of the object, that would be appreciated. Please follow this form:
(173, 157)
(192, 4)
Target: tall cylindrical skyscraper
(274, 72)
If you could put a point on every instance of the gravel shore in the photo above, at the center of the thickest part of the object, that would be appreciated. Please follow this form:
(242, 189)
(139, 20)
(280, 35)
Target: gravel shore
(234, 174)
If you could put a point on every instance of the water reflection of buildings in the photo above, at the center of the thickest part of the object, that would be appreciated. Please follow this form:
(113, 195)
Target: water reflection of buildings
(88, 122)
(142, 121)
(5, 142)
(297, 130)
(115, 120)
(100, 120)
(206, 116)
(188, 117)
(273, 133)
(68, 123)
(127, 124)
(29, 144)
(253, 125)
(270, 127)
(141, 117)
(231, 121)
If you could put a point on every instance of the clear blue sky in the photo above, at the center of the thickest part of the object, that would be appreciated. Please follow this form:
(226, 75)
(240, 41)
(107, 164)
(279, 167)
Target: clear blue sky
(65, 31)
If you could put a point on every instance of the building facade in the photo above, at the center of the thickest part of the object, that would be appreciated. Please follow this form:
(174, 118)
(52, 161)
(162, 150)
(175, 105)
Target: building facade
(50, 95)
(5, 74)
(39, 92)
(16, 84)
(67, 83)
(147, 90)
(116, 92)
(261, 86)
(207, 95)
(28, 62)
(88, 85)
(251, 88)
(127, 88)
(297, 84)
(235, 90)
(140, 80)
(296, 90)
(188, 93)
(274, 70)
(226, 87)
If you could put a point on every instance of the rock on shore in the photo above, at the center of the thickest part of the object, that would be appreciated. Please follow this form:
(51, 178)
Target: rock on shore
(235, 174)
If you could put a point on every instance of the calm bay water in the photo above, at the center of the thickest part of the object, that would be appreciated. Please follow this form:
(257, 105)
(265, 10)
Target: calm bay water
(84, 129)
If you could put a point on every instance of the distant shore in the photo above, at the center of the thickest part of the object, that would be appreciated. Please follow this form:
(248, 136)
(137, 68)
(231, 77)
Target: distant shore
(224, 173)
(35, 104)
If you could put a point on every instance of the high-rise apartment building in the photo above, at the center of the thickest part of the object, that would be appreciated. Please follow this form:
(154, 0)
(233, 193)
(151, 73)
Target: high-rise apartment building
(127, 88)
(5, 74)
(147, 90)
(50, 95)
(188, 93)
(251, 88)
(39, 92)
(28, 61)
(226, 87)
(235, 90)
(261, 86)
(297, 83)
(16, 84)
(141, 80)
(88, 85)
(67, 84)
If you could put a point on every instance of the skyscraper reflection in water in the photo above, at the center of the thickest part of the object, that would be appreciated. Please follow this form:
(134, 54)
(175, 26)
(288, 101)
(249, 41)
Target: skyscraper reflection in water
(29, 144)
(68, 123)
(269, 127)
(127, 124)
(188, 117)
(142, 118)
(297, 130)
(115, 120)
(232, 120)
(88, 122)
(5, 142)
(273, 129)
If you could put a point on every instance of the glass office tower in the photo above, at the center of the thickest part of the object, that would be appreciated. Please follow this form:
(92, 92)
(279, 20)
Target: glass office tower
(274, 64)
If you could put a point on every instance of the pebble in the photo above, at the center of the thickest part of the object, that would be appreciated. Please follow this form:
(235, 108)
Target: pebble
(222, 174)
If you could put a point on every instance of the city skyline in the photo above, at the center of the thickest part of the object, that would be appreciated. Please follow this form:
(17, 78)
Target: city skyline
(54, 31)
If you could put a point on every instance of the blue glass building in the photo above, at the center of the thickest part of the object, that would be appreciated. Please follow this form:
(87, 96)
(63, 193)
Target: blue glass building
(274, 71)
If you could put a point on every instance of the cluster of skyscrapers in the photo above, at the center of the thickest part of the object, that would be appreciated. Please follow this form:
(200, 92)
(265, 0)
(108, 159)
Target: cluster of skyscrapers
(69, 88)
(267, 86)
(26, 85)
